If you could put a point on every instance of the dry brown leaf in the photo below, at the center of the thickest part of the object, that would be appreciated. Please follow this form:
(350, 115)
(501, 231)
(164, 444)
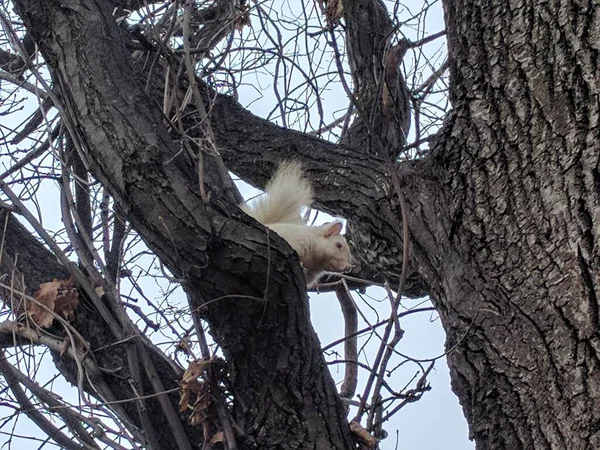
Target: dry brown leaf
(333, 10)
(196, 394)
(184, 401)
(190, 384)
(194, 371)
(187, 389)
(46, 295)
(60, 297)
(217, 437)
(66, 303)
(200, 410)
(185, 345)
(362, 435)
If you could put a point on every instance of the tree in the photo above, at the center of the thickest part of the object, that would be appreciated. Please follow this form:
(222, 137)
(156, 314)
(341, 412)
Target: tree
(500, 215)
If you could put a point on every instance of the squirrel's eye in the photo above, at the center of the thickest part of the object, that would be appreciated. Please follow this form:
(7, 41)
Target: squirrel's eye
(338, 245)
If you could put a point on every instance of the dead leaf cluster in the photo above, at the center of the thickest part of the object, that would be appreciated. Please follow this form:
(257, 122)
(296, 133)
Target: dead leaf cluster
(197, 384)
(333, 10)
(54, 298)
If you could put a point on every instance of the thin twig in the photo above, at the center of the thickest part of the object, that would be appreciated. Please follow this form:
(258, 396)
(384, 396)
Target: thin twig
(8, 371)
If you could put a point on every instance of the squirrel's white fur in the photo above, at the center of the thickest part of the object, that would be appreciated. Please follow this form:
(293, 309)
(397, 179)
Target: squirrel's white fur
(320, 248)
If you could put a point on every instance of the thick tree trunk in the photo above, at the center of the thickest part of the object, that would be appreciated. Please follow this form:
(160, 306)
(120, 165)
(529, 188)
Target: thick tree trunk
(509, 243)
(283, 395)
(504, 220)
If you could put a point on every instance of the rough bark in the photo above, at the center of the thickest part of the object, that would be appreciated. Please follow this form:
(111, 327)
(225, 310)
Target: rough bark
(380, 94)
(283, 395)
(349, 182)
(509, 241)
(28, 263)
(504, 221)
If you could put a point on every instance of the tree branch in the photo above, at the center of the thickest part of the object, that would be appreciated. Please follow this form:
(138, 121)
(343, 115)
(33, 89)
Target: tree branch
(10, 375)
(207, 244)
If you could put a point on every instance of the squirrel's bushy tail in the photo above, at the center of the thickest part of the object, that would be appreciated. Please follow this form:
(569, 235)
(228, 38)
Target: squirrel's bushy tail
(285, 196)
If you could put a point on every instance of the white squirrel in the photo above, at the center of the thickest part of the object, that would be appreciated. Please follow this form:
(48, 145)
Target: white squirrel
(320, 248)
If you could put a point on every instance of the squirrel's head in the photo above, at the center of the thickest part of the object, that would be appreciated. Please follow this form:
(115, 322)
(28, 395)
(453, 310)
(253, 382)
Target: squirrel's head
(337, 253)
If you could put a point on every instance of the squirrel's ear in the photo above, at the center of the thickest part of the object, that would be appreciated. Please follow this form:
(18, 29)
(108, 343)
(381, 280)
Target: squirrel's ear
(333, 230)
